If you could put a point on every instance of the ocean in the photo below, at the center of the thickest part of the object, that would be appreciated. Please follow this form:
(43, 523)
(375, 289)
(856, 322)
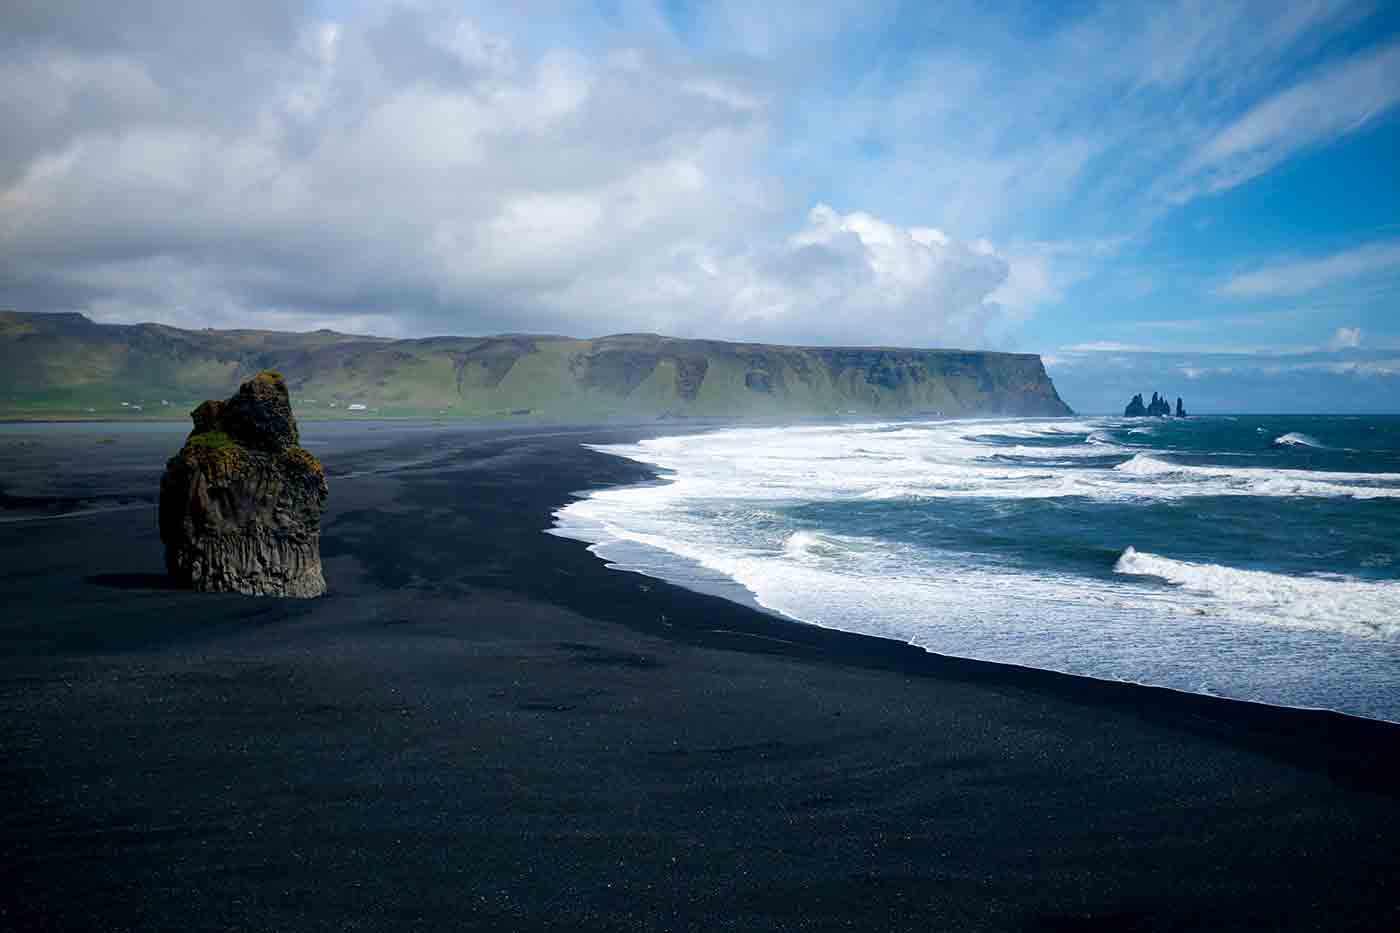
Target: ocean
(1253, 557)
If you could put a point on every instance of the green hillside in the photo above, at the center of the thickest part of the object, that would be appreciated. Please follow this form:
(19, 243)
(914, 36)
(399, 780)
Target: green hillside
(66, 366)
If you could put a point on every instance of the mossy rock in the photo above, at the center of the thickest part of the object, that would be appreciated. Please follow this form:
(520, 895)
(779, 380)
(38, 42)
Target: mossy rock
(258, 416)
(301, 460)
(241, 503)
(214, 454)
(208, 416)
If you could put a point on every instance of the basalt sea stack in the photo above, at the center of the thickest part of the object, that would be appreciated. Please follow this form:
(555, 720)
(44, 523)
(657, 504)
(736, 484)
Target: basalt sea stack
(241, 503)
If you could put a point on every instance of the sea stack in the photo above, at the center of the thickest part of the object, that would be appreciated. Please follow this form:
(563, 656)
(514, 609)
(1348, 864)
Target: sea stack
(1159, 407)
(241, 503)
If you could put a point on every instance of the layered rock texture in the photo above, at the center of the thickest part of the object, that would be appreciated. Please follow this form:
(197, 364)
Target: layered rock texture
(241, 503)
(64, 365)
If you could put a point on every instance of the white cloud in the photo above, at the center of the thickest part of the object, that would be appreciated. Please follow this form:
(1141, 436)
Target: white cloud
(413, 168)
(1297, 278)
(1346, 338)
(1339, 100)
(854, 277)
(841, 278)
(1039, 272)
(415, 173)
(479, 167)
(1226, 44)
(1390, 367)
(1362, 368)
(1108, 346)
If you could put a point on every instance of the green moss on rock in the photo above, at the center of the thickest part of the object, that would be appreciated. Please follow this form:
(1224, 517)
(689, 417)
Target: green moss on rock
(215, 454)
(241, 503)
(302, 460)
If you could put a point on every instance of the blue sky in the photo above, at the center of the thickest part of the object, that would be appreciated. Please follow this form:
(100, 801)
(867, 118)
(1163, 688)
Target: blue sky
(1193, 197)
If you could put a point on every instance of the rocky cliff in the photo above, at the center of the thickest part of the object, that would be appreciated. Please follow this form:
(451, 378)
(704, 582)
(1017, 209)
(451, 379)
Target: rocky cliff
(64, 365)
(241, 503)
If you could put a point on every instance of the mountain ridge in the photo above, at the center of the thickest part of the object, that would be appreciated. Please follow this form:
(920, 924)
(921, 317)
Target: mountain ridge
(64, 365)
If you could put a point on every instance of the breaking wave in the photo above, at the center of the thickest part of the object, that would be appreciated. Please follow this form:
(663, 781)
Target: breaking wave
(1017, 541)
(1183, 479)
(1329, 603)
(1298, 439)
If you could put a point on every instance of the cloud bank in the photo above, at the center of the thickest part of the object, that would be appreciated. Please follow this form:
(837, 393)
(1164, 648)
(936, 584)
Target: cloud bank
(1304, 276)
(414, 173)
(1340, 376)
(725, 170)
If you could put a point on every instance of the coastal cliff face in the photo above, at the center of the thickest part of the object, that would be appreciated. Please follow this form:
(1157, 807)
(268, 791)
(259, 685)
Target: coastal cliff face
(66, 365)
(241, 503)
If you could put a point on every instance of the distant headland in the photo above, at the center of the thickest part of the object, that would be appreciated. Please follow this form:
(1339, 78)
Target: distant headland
(1159, 407)
(66, 366)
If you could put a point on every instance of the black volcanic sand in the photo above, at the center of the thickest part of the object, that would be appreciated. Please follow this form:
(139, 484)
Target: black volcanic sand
(484, 728)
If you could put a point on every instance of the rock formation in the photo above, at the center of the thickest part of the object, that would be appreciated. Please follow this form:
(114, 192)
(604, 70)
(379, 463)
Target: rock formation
(241, 503)
(1159, 407)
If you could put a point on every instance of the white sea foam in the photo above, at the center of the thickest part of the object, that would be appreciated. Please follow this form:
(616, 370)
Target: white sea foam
(1147, 465)
(949, 460)
(936, 460)
(1298, 439)
(1255, 481)
(723, 516)
(1330, 602)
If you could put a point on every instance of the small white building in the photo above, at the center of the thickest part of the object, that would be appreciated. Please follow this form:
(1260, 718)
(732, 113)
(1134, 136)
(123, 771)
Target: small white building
(357, 407)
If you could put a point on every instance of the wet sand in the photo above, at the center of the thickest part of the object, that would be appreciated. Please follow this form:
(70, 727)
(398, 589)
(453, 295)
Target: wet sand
(484, 728)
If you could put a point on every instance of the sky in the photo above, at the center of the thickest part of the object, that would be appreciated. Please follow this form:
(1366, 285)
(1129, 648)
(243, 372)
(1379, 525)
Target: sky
(1199, 198)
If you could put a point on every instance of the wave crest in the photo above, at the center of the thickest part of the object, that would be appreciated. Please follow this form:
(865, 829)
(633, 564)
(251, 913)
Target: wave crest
(1299, 439)
(1329, 603)
(1146, 465)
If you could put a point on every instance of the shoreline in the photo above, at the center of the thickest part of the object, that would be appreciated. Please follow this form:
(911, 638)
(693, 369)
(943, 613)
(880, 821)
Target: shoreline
(746, 599)
(653, 561)
(482, 726)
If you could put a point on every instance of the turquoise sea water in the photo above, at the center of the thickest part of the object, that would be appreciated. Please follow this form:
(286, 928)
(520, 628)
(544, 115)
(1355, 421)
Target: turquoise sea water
(1252, 557)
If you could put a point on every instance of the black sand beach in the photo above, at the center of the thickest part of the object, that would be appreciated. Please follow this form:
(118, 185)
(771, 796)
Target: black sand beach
(482, 727)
